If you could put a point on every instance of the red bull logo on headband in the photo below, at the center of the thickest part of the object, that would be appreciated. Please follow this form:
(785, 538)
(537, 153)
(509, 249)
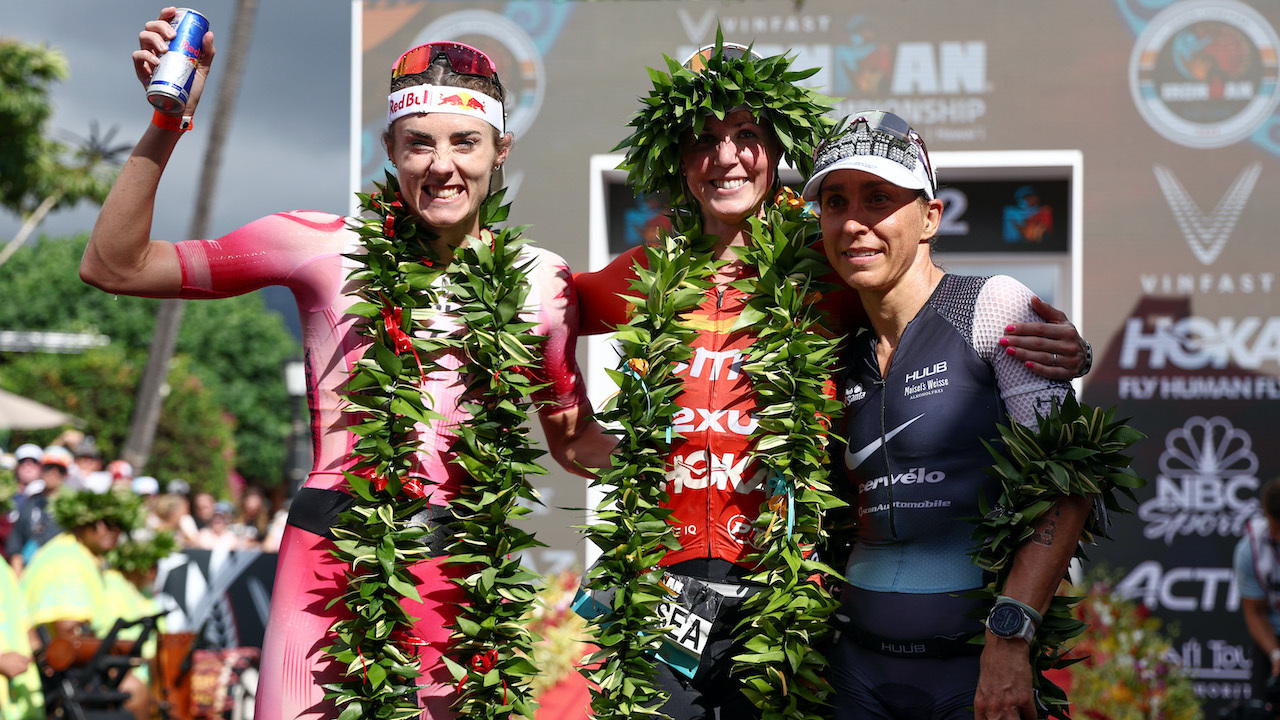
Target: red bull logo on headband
(462, 100)
(430, 98)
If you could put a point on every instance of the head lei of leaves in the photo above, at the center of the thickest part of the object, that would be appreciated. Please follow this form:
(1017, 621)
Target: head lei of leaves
(681, 101)
(140, 554)
(82, 508)
(8, 490)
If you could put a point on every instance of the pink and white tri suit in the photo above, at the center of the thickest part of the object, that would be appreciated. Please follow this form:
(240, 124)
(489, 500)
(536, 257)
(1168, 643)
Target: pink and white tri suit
(306, 252)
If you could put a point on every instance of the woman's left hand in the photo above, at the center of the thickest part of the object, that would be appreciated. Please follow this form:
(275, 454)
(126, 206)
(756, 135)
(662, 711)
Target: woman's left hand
(1051, 349)
(1004, 681)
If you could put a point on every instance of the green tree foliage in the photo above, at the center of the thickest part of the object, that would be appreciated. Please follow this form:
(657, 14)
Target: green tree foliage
(233, 349)
(26, 156)
(34, 167)
(196, 442)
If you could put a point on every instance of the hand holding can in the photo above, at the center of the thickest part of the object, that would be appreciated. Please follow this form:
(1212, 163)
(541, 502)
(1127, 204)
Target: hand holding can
(169, 89)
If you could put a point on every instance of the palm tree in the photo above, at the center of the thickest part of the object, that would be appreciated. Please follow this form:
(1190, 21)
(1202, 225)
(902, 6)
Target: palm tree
(96, 163)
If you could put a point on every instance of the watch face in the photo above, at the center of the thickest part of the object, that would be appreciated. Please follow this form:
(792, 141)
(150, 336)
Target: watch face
(1006, 620)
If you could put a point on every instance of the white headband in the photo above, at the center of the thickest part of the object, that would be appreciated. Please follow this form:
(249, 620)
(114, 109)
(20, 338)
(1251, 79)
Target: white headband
(422, 99)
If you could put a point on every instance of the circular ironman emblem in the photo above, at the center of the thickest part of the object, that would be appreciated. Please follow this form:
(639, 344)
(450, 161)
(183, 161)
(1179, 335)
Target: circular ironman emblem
(1203, 73)
(512, 50)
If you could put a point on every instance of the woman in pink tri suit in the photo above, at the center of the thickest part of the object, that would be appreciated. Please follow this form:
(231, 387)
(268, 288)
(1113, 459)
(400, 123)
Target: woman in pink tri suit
(445, 159)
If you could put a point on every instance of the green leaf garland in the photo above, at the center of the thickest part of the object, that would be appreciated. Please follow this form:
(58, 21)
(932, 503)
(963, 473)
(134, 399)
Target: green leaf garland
(491, 634)
(631, 527)
(404, 286)
(1076, 450)
(141, 554)
(73, 509)
(790, 364)
(678, 105)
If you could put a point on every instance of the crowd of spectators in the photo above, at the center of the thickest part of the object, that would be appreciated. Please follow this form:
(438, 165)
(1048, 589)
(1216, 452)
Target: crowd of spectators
(198, 518)
(76, 559)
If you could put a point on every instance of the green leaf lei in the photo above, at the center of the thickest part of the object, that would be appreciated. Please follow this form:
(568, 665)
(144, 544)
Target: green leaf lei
(404, 286)
(73, 509)
(789, 362)
(1075, 450)
(137, 555)
(680, 101)
(631, 527)
(491, 633)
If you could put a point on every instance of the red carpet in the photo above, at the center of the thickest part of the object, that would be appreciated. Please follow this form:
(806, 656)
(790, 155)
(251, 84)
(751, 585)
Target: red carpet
(568, 700)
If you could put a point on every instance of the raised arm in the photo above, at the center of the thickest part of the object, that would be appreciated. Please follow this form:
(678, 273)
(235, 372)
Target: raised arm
(121, 257)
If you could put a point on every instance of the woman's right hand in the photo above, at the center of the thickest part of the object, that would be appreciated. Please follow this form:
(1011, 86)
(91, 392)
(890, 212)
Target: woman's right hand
(153, 42)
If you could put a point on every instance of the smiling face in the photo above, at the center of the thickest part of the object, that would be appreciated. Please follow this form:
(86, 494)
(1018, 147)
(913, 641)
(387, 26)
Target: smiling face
(445, 161)
(876, 234)
(729, 168)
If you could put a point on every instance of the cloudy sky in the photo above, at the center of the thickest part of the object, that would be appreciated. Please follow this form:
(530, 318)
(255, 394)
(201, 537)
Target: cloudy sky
(299, 61)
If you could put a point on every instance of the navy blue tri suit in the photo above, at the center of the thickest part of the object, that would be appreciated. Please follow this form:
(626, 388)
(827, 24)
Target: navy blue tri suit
(916, 467)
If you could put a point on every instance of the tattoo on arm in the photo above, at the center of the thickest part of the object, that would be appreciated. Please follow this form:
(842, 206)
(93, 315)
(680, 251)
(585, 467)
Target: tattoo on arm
(1043, 535)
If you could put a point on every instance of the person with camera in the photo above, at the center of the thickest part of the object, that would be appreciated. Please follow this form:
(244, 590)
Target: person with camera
(1257, 568)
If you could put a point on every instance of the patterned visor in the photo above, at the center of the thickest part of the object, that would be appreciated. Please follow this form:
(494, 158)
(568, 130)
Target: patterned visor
(880, 143)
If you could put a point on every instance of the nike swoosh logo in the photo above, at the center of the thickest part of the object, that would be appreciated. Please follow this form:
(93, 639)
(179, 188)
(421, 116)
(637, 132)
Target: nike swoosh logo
(853, 460)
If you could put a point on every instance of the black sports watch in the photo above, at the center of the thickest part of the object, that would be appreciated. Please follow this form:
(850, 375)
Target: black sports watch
(1010, 620)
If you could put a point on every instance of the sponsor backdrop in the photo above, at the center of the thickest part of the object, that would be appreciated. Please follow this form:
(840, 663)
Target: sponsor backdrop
(1171, 105)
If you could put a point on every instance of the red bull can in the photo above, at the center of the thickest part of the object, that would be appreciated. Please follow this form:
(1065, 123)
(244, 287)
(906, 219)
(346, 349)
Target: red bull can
(171, 82)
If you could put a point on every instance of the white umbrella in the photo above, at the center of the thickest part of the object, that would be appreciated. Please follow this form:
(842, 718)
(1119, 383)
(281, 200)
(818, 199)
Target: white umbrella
(19, 413)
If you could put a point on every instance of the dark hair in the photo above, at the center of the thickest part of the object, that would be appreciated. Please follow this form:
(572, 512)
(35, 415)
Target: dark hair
(1270, 498)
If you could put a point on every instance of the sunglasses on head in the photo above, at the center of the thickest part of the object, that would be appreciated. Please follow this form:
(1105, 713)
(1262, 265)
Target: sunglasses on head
(463, 59)
(729, 51)
(894, 126)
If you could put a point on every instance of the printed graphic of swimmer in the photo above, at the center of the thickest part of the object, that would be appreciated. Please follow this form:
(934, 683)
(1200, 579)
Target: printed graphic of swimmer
(862, 66)
(1027, 220)
(1215, 55)
(645, 221)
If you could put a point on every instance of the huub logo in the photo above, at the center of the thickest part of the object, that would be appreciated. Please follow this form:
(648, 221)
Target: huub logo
(1207, 234)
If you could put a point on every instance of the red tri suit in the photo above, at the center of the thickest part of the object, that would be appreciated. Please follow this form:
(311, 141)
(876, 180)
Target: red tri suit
(305, 251)
(715, 491)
